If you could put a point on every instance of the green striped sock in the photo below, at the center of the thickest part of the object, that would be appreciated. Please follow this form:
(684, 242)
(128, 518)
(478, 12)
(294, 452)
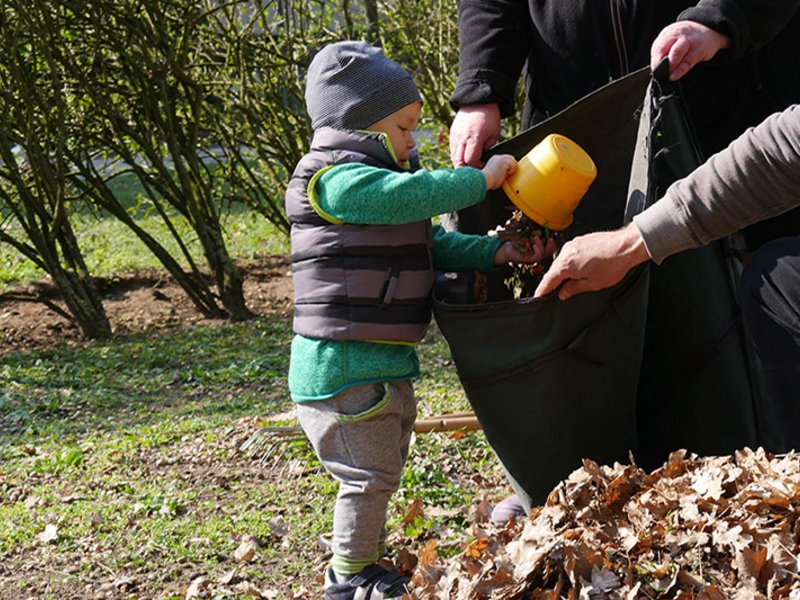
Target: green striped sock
(343, 565)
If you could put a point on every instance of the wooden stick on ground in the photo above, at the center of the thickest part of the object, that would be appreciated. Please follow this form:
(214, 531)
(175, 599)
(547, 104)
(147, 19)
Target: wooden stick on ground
(454, 422)
(267, 440)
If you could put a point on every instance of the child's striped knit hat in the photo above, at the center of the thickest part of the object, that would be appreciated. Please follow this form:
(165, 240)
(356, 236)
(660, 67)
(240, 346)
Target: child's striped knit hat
(352, 85)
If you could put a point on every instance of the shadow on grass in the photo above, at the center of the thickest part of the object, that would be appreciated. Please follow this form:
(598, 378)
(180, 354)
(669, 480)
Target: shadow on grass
(225, 372)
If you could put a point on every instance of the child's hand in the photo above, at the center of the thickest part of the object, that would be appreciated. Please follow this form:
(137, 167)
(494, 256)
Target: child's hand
(508, 253)
(498, 169)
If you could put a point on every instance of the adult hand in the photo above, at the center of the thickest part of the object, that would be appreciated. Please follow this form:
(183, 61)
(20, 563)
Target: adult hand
(508, 253)
(686, 43)
(475, 128)
(594, 262)
(498, 169)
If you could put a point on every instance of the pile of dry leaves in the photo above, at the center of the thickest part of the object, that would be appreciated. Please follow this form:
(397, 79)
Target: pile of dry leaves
(711, 528)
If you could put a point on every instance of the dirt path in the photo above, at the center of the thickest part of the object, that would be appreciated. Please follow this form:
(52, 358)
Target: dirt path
(140, 302)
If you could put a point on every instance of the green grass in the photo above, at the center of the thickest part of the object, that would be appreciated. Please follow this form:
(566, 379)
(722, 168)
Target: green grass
(130, 448)
(122, 378)
(110, 248)
(108, 424)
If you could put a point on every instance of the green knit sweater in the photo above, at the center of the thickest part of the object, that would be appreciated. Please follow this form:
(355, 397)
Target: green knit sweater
(363, 194)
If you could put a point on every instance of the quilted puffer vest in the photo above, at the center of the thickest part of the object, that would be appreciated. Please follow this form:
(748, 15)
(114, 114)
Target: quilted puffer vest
(356, 282)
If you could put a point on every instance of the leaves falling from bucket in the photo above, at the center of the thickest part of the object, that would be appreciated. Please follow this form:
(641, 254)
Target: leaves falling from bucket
(523, 232)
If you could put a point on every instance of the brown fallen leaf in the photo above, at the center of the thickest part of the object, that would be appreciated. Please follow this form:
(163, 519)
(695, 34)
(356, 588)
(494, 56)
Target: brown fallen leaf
(482, 512)
(33, 502)
(70, 498)
(248, 588)
(278, 526)
(405, 560)
(50, 534)
(428, 555)
(413, 510)
(246, 550)
(198, 588)
(228, 578)
(697, 528)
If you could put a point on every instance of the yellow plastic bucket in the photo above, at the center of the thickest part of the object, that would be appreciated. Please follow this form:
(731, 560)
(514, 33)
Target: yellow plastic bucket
(550, 181)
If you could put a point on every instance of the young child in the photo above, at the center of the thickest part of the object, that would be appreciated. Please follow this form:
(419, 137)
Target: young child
(363, 259)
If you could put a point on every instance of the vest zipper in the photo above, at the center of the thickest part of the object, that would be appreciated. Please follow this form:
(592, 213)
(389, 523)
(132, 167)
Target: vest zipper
(389, 286)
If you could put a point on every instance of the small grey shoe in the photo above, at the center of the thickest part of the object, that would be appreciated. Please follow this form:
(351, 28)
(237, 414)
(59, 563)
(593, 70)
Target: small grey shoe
(507, 509)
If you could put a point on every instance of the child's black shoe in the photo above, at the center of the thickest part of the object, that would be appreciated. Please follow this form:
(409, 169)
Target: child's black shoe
(371, 583)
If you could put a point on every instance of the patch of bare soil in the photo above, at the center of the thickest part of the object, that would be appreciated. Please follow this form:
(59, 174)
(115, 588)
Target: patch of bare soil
(141, 302)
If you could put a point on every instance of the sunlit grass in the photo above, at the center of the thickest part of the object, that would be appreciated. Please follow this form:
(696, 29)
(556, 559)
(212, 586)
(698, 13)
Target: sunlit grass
(129, 448)
(110, 248)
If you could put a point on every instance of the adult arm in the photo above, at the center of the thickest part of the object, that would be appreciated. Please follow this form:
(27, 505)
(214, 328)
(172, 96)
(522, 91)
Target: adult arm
(494, 42)
(686, 43)
(704, 30)
(748, 24)
(756, 177)
(475, 128)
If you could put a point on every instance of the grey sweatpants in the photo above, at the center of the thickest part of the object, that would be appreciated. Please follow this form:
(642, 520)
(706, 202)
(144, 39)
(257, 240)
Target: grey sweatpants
(361, 436)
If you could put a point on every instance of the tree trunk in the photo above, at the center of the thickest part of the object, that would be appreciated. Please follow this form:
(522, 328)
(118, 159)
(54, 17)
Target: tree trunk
(74, 283)
(84, 304)
(373, 25)
(227, 275)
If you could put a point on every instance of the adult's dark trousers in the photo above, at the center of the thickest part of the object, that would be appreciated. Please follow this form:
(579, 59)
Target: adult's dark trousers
(770, 290)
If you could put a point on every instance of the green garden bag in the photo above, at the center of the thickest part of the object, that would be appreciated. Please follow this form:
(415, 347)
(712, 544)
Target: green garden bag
(657, 363)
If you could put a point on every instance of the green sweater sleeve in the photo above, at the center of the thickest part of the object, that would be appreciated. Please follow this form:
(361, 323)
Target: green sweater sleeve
(363, 194)
(455, 251)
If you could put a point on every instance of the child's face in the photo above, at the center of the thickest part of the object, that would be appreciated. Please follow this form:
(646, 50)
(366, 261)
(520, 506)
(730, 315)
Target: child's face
(398, 126)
